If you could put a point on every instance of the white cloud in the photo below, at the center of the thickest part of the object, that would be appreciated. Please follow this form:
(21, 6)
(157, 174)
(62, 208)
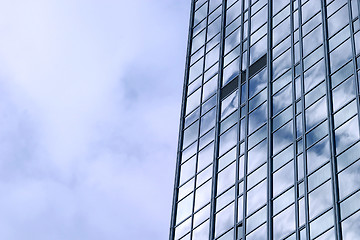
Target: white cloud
(89, 106)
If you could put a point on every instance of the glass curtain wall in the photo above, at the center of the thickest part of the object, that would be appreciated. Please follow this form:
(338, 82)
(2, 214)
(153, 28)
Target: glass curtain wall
(269, 132)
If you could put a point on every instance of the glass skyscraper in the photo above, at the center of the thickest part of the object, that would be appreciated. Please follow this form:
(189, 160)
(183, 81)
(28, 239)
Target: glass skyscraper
(269, 142)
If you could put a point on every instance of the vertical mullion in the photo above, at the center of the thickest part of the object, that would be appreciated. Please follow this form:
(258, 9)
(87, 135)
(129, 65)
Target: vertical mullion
(217, 126)
(294, 120)
(354, 58)
(246, 107)
(200, 110)
(239, 126)
(334, 181)
(269, 125)
(306, 196)
(182, 121)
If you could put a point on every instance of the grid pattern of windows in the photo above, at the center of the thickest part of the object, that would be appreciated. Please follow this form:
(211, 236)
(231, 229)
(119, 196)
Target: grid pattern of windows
(269, 144)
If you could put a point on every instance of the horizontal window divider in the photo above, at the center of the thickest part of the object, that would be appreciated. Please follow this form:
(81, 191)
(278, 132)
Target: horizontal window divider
(279, 168)
(206, 145)
(259, 226)
(225, 232)
(281, 111)
(320, 185)
(228, 7)
(228, 204)
(312, 17)
(356, 161)
(234, 20)
(247, 175)
(315, 102)
(274, 80)
(282, 88)
(307, 149)
(202, 114)
(279, 23)
(234, 124)
(283, 210)
(258, 40)
(311, 89)
(206, 131)
(226, 152)
(347, 120)
(281, 41)
(228, 116)
(281, 10)
(321, 214)
(339, 45)
(255, 130)
(338, 9)
(310, 31)
(255, 144)
(275, 130)
(261, 8)
(257, 184)
(351, 145)
(232, 161)
(312, 51)
(282, 149)
(318, 168)
(228, 53)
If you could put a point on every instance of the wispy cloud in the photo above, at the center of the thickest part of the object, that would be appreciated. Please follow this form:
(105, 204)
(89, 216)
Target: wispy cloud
(89, 107)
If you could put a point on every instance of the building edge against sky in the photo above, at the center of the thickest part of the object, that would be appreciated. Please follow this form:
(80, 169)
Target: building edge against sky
(269, 141)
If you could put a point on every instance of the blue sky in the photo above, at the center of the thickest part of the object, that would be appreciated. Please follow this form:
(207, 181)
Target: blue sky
(90, 95)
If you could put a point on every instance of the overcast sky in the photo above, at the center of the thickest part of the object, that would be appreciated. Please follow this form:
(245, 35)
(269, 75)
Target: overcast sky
(90, 95)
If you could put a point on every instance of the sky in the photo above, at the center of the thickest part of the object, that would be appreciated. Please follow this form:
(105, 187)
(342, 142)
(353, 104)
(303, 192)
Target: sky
(90, 96)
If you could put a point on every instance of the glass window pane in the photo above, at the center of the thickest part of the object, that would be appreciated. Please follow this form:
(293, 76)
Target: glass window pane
(226, 178)
(347, 134)
(320, 199)
(187, 170)
(201, 232)
(256, 220)
(224, 220)
(283, 178)
(256, 197)
(349, 180)
(284, 223)
(202, 195)
(193, 101)
(184, 208)
(229, 104)
(283, 137)
(256, 176)
(257, 117)
(257, 155)
(351, 227)
(319, 177)
(317, 133)
(228, 140)
(182, 229)
(225, 198)
(257, 136)
(345, 113)
(191, 134)
(349, 156)
(350, 205)
(206, 156)
(316, 113)
(321, 224)
(283, 201)
(318, 154)
(227, 158)
(201, 215)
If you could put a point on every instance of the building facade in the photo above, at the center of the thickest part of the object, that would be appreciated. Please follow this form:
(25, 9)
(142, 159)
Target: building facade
(269, 142)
